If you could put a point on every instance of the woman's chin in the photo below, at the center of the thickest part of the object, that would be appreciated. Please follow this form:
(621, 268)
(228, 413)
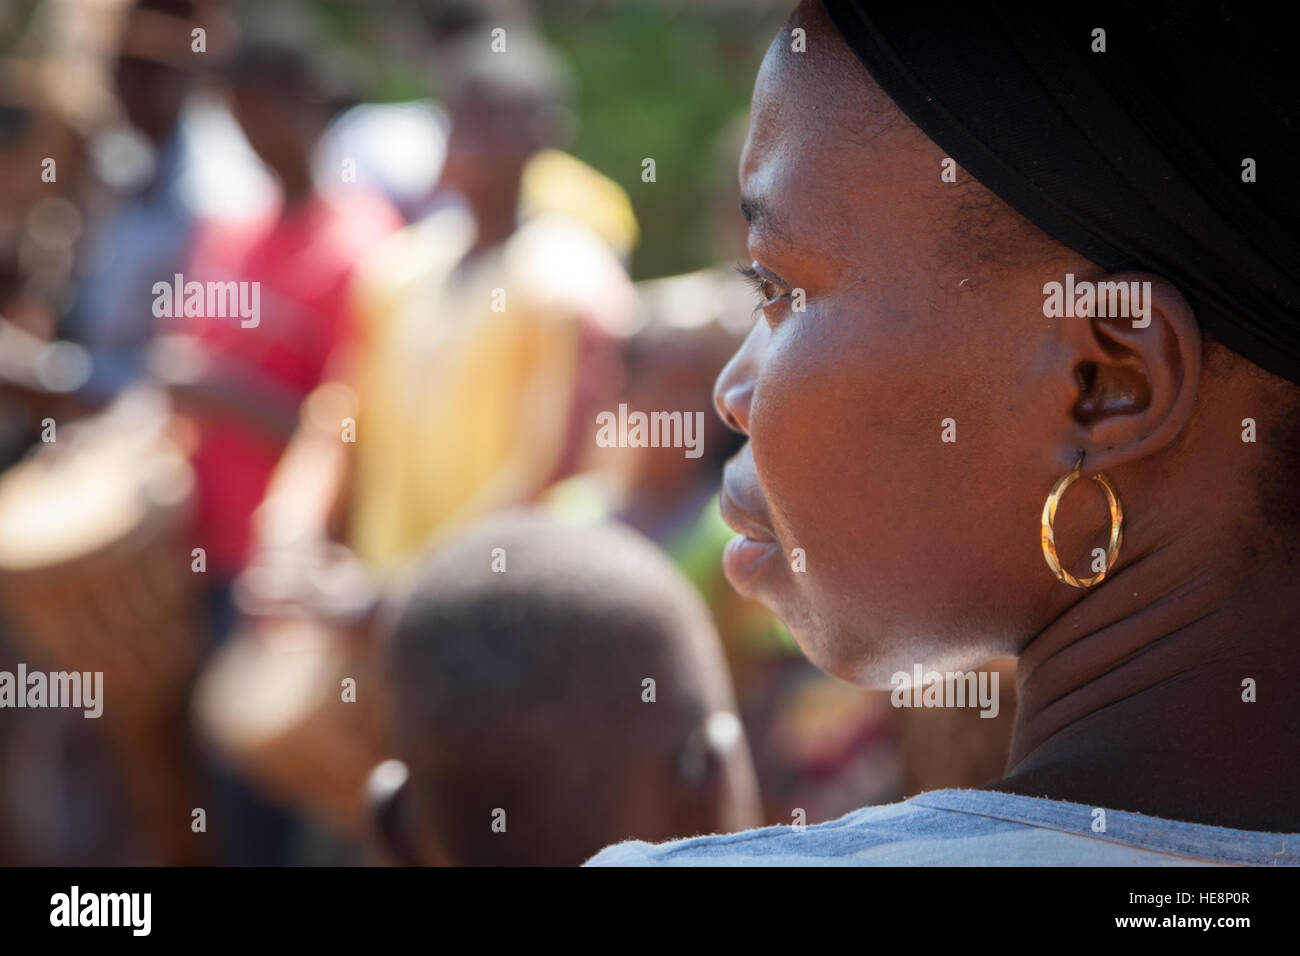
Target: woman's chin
(824, 645)
(842, 649)
(848, 653)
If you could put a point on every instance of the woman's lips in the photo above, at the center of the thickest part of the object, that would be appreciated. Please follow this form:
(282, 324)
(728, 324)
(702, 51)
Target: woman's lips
(755, 545)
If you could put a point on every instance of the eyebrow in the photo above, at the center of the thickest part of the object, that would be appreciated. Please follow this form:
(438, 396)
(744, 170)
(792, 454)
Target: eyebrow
(761, 217)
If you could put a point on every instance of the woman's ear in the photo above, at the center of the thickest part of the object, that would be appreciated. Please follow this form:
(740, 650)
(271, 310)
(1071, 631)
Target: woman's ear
(1135, 355)
(391, 822)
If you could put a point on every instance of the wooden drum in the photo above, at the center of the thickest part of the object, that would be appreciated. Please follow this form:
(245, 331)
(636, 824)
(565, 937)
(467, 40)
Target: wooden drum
(95, 575)
(95, 572)
(272, 702)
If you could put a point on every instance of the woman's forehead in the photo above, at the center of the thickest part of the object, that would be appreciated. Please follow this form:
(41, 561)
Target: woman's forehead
(823, 138)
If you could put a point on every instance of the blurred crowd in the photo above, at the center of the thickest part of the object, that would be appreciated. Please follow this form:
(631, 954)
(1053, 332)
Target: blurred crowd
(298, 397)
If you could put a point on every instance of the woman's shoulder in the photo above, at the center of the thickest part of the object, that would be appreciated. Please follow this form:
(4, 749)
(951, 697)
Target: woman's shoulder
(970, 828)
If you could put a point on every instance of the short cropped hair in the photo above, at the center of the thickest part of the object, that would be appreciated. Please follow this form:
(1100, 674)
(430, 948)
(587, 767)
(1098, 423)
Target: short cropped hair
(522, 656)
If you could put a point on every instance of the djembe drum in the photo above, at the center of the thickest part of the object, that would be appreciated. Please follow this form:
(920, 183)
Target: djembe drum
(95, 575)
(94, 572)
(272, 701)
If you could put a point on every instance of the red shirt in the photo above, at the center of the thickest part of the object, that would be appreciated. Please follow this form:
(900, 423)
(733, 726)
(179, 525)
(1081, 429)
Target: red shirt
(302, 259)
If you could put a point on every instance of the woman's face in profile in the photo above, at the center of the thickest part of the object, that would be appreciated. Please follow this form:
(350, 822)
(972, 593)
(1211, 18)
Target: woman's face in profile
(916, 549)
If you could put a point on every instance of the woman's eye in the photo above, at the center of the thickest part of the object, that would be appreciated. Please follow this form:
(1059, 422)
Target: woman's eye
(767, 288)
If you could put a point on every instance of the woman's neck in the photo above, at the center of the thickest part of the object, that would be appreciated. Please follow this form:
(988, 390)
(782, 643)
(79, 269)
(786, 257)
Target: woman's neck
(1170, 691)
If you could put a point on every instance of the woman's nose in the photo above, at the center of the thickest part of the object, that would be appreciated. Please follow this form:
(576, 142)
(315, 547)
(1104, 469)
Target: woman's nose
(733, 393)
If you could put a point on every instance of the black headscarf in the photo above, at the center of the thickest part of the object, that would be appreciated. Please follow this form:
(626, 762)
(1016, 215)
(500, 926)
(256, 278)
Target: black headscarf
(1133, 156)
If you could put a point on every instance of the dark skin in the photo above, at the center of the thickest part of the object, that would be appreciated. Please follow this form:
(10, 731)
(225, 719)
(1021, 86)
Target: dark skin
(491, 142)
(921, 551)
(656, 803)
(282, 130)
(151, 95)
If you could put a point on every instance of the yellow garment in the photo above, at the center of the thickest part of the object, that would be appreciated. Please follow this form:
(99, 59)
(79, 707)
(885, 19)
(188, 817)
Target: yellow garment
(464, 409)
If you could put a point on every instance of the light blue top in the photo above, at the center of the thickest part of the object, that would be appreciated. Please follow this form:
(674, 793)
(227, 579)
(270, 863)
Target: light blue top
(972, 828)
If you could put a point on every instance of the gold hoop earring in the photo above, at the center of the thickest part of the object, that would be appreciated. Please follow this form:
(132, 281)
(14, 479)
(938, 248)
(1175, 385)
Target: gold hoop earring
(1049, 535)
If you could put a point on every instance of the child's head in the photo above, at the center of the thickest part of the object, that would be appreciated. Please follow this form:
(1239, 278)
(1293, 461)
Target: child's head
(558, 688)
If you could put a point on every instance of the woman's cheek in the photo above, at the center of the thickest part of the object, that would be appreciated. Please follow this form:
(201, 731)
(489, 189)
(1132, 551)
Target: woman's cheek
(805, 437)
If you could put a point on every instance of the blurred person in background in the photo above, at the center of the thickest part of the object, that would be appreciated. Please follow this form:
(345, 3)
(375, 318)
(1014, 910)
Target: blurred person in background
(398, 148)
(484, 342)
(484, 339)
(182, 160)
(39, 224)
(108, 792)
(241, 382)
(571, 694)
(42, 174)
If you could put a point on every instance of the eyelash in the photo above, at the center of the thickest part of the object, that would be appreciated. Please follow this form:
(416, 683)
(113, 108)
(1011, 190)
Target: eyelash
(758, 282)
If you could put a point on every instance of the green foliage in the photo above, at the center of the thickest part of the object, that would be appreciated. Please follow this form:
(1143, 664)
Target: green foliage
(665, 84)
